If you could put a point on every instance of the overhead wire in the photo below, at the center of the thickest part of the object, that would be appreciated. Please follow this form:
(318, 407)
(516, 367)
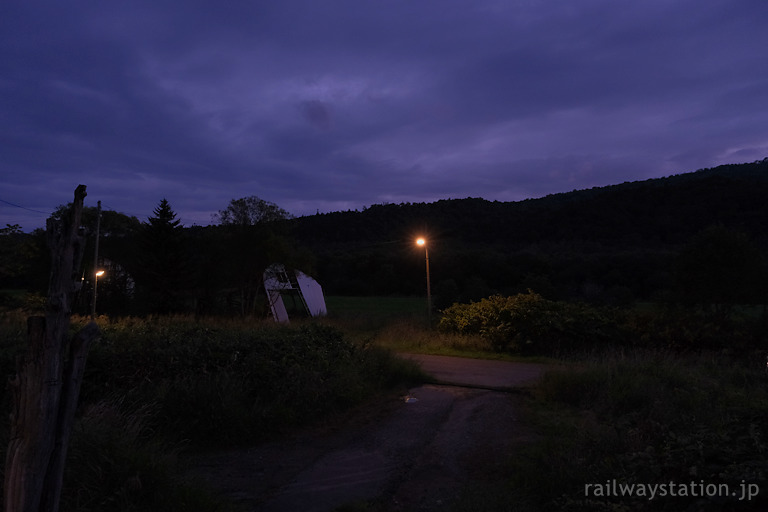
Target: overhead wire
(23, 207)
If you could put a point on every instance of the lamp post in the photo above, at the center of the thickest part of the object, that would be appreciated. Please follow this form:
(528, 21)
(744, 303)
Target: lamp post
(423, 243)
(97, 273)
(95, 287)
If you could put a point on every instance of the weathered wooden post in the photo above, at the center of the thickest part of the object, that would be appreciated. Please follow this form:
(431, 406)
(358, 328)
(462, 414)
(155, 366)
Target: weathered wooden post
(47, 384)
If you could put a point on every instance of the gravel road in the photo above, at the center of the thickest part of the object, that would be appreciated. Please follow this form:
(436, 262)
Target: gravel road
(412, 453)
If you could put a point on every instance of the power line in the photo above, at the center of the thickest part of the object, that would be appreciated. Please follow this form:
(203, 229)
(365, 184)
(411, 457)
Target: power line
(48, 213)
(23, 207)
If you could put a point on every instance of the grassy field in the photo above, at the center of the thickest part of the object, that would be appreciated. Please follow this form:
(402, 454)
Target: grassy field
(373, 307)
(158, 387)
(363, 318)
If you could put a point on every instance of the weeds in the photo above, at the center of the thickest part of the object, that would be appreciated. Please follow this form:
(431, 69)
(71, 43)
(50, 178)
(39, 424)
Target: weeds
(156, 386)
(646, 418)
(117, 463)
(410, 336)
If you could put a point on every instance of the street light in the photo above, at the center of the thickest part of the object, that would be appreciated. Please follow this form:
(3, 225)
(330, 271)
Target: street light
(95, 287)
(423, 243)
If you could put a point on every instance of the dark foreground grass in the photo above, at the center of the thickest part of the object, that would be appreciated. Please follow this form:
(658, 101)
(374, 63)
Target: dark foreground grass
(691, 430)
(155, 388)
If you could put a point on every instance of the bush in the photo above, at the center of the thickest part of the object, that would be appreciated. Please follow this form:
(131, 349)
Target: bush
(529, 324)
(220, 385)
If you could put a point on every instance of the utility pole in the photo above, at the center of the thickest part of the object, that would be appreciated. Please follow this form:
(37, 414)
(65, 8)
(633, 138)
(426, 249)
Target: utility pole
(96, 260)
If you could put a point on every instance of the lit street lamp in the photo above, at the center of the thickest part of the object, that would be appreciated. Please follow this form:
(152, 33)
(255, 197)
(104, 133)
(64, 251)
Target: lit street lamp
(95, 287)
(423, 243)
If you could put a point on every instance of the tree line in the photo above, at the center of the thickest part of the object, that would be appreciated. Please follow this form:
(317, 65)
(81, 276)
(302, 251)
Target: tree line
(693, 238)
(616, 245)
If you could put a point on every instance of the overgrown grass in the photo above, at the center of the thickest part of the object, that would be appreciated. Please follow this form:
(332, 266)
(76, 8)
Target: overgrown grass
(414, 337)
(156, 386)
(117, 462)
(400, 324)
(645, 418)
(410, 336)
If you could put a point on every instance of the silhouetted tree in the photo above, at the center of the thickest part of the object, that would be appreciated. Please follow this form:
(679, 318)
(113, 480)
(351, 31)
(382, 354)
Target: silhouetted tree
(163, 273)
(250, 211)
(14, 255)
(24, 262)
(252, 238)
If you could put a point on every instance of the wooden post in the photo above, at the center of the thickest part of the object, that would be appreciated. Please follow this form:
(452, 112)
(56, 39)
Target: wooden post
(47, 384)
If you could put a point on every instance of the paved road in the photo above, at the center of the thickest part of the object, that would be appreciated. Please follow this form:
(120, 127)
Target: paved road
(412, 453)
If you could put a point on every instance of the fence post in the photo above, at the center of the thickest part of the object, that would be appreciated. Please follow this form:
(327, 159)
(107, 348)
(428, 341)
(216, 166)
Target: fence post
(46, 386)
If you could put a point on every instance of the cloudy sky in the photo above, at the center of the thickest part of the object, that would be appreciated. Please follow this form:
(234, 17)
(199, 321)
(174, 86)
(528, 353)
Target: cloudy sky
(326, 105)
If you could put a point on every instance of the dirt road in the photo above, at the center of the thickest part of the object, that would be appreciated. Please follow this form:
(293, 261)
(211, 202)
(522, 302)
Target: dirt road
(411, 453)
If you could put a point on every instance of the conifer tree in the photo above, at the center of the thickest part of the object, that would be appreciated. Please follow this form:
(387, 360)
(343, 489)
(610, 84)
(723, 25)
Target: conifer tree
(164, 261)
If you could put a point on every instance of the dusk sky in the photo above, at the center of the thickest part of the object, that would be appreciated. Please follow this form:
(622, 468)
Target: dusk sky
(335, 105)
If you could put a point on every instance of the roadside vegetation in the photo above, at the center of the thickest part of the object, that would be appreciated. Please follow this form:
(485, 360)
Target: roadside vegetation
(401, 324)
(671, 402)
(647, 396)
(684, 428)
(670, 396)
(157, 388)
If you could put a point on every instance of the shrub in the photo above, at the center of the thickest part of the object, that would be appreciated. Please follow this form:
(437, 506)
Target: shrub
(220, 385)
(529, 324)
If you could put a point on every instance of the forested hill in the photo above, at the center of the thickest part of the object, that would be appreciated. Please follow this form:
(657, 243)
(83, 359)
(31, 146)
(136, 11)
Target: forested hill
(618, 239)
